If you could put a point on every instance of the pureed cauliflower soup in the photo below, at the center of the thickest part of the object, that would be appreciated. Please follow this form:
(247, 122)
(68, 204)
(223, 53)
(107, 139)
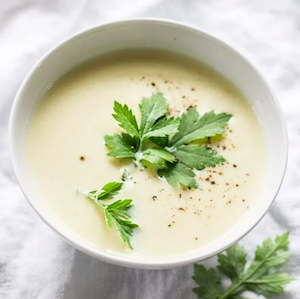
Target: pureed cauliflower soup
(183, 167)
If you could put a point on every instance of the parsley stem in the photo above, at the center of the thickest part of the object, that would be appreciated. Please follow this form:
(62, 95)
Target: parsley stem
(245, 279)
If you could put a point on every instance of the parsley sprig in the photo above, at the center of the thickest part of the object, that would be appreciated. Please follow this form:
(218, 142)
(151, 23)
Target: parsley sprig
(166, 141)
(259, 278)
(116, 212)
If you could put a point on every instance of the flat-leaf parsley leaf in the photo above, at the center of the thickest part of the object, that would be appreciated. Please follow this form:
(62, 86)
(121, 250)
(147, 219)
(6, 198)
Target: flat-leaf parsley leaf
(195, 156)
(121, 147)
(116, 212)
(191, 128)
(178, 173)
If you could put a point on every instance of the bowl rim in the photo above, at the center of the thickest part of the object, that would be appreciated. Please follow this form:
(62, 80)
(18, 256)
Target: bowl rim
(107, 256)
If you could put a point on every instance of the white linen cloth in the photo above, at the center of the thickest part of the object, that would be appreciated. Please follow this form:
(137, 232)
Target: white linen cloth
(34, 261)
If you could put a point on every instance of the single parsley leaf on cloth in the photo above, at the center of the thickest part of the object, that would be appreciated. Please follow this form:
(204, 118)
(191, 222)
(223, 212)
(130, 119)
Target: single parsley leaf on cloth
(178, 173)
(270, 254)
(116, 212)
(232, 263)
(209, 282)
(191, 128)
(258, 278)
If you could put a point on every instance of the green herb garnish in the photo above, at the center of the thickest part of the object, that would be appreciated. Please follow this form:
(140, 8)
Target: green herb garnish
(262, 277)
(165, 141)
(115, 213)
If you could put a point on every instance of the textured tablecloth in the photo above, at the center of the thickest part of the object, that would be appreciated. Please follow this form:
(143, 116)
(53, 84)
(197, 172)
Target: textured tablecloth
(34, 261)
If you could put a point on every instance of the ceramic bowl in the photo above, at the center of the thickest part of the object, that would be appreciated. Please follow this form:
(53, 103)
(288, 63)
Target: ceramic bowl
(164, 35)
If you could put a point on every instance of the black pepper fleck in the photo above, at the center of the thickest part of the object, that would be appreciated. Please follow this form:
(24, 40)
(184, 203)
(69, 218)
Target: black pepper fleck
(82, 158)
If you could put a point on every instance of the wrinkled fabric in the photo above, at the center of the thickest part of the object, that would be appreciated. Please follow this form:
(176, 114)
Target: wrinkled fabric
(37, 263)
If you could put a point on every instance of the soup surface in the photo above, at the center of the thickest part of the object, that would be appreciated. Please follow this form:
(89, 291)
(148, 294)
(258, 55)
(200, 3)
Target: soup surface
(66, 151)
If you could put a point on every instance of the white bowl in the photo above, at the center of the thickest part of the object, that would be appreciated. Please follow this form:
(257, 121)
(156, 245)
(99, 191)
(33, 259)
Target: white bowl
(165, 35)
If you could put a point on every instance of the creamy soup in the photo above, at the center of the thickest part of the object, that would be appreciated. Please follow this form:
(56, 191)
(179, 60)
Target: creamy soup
(66, 151)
